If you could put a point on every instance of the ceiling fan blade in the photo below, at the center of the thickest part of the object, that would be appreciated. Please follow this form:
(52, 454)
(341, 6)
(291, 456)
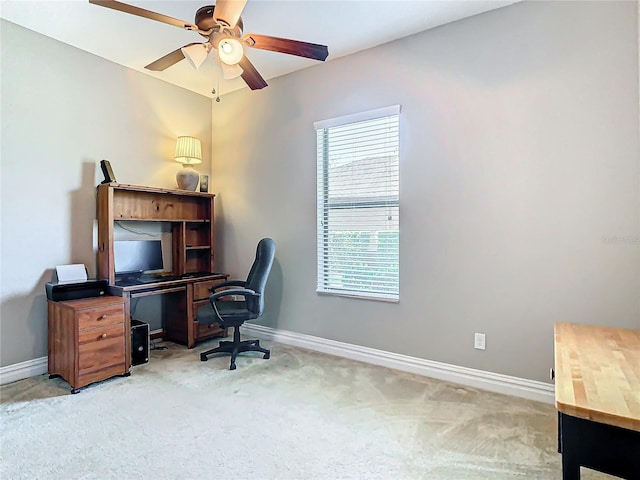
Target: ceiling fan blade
(169, 59)
(141, 12)
(228, 11)
(284, 45)
(250, 75)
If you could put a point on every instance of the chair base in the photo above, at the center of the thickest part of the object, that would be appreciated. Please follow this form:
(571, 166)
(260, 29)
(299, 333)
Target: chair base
(235, 347)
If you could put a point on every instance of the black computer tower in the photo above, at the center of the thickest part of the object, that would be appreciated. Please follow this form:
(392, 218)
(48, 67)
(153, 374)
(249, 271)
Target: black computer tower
(139, 342)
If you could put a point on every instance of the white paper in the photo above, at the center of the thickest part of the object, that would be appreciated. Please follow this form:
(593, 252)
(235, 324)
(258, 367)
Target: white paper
(71, 273)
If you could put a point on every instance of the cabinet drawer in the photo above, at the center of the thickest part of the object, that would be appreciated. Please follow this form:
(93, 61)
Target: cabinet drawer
(100, 374)
(205, 330)
(102, 352)
(212, 329)
(99, 317)
(98, 335)
(201, 289)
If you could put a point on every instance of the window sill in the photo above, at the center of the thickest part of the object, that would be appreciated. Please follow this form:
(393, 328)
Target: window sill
(360, 296)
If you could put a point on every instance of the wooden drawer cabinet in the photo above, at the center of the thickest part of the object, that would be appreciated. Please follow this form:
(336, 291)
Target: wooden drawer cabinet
(88, 340)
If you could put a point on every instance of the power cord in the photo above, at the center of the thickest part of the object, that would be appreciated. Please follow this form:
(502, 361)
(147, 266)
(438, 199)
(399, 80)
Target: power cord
(155, 346)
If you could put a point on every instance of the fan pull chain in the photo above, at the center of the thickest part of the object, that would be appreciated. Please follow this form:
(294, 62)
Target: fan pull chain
(216, 89)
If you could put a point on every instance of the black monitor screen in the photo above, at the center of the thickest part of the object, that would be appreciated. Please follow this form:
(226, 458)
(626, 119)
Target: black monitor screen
(136, 256)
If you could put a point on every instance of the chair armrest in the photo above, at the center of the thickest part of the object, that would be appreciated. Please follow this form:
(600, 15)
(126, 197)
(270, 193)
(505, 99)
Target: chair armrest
(234, 291)
(224, 293)
(230, 283)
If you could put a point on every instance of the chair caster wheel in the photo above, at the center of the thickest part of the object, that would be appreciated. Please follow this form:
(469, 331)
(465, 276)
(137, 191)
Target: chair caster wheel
(232, 367)
(267, 356)
(203, 357)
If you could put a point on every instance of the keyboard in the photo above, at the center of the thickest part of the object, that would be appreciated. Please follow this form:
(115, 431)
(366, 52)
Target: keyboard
(145, 279)
(197, 274)
(168, 278)
(160, 278)
(128, 282)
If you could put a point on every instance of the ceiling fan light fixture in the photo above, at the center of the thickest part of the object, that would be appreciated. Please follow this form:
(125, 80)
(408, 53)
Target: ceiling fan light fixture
(230, 51)
(196, 54)
(231, 71)
(222, 27)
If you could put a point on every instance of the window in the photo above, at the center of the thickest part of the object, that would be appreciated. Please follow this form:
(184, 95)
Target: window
(358, 204)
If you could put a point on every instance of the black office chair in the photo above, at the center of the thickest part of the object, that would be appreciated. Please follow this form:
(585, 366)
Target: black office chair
(233, 313)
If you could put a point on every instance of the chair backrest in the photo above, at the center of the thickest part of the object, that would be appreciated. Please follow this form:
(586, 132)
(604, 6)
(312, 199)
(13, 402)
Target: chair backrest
(257, 278)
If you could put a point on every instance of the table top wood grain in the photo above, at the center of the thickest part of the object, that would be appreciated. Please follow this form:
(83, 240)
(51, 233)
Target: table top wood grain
(597, 373)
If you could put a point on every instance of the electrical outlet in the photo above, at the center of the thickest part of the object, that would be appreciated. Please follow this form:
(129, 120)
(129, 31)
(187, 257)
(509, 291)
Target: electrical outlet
(479, 341)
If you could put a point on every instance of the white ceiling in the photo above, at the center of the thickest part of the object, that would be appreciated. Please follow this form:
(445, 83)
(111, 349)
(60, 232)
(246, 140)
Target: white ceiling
(345, 26)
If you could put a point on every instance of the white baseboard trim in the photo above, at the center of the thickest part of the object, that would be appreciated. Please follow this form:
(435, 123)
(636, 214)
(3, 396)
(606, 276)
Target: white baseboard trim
(494, 382)
(19, 371)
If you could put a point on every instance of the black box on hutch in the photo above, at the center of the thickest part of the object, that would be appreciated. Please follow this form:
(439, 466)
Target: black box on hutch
(139, 342)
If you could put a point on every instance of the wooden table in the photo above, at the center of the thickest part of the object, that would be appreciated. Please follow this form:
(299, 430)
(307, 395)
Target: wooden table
(597, 380)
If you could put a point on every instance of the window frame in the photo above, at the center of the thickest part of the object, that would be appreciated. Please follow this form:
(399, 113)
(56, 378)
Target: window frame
(324, 206)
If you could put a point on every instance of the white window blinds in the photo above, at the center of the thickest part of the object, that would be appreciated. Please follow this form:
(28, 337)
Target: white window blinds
(358, 204)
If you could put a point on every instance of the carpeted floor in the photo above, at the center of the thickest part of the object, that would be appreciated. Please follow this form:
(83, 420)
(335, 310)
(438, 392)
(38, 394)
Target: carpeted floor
(299, 415)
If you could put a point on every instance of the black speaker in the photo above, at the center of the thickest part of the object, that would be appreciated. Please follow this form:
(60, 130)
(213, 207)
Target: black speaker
(139, 342)
(107, 171)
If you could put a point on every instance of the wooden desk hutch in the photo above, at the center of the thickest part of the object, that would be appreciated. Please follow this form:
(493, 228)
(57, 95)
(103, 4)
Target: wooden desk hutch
(191, 216)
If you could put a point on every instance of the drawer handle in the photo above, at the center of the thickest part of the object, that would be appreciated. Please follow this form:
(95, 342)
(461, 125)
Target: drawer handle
(104, 335)
(102, 317)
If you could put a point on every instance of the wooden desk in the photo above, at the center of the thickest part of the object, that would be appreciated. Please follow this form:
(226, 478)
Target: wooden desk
(182, 300)
(597, 377)
(190, 217)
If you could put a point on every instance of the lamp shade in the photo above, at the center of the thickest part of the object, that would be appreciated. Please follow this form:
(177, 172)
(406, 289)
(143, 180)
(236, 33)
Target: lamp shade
(231, 71)
(196, 53)
(188, 150)
(230, 51)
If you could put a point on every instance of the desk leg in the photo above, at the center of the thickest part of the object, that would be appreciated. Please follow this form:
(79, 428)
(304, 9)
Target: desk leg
(567, 446)
(570, 469)
(601, 447)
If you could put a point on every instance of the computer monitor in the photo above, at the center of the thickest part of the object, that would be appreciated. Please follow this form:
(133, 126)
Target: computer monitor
(135, 257)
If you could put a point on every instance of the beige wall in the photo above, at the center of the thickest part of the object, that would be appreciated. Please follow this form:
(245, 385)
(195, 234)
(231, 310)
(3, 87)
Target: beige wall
(64, 110)
(519, 181)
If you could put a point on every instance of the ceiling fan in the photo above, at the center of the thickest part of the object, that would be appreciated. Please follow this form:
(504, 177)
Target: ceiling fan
(221, 26)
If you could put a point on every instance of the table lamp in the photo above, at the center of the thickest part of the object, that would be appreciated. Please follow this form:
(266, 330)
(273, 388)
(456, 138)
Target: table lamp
(189, 153)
